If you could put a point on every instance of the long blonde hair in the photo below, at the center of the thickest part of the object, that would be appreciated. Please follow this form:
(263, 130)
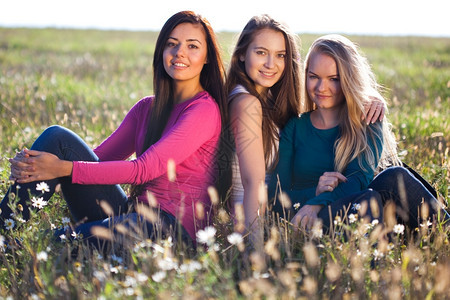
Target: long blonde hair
(358, 86)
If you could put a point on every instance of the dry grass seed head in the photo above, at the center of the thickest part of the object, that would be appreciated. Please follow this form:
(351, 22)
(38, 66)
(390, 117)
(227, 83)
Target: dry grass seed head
(311, 255)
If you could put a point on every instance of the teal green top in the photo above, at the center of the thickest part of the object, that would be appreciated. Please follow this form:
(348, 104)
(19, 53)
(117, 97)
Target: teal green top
(306, 152)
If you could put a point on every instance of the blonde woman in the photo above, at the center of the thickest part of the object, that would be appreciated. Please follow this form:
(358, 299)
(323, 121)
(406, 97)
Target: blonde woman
(264, 91)
(328, 156)
(329, 153)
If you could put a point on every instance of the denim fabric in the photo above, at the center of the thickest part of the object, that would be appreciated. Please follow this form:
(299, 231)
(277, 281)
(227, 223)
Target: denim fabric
(82, 200)
(354, 204)
(344, 207)
(399, 185)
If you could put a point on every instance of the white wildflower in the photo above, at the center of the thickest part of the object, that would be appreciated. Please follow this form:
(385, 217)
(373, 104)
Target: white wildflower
(43, 187)
(352, 218)
(141, 277)
(38, 202)
(375, 222)
(20, 219)
(426, 224)
(65, 220)
(42, 256)
(399, 228)
(75, 235)
(377, 254)
(356, 206)
(130, 281)
(316, 230)
(63, 237)
(296, 206)
(190, 267)
(9, 224)
(159, 276)
(235, 238)
(167, 264)
(206, 236)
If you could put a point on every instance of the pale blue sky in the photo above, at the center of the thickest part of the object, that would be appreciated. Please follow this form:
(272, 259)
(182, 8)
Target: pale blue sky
(386, 17)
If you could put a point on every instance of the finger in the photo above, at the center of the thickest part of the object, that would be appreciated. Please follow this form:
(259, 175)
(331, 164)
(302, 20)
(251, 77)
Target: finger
(370, 110)
(304, 222)
(382, 112)
(311, 223)
(377, 113)
(32, 152)
(27, 179)
(18, 163)
(339, 176)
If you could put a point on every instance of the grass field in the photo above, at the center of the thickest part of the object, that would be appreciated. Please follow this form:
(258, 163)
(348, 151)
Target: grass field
(87, 81)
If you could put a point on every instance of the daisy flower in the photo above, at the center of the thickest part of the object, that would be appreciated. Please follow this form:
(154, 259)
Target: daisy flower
(42, 256)
(235, 238)
(38, 202)
(399, 228)
(9, 224)
(352, 218)
(43, 187)
(207, 235)
(159, 276)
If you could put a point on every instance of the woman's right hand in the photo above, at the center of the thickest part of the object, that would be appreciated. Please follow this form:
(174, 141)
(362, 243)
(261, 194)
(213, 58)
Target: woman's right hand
(329, 181)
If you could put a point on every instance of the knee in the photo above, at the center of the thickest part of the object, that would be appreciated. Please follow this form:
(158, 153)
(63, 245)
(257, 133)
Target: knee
(54, 130)
(46, 141)
(389, 176)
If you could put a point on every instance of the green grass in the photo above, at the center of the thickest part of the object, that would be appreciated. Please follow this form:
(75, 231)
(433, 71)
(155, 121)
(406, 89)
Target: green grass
(87, 80)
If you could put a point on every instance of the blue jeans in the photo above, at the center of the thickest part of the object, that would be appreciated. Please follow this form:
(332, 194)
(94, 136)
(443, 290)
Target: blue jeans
(82, 200)
(399, 185)
(352, 204)
(343, 207)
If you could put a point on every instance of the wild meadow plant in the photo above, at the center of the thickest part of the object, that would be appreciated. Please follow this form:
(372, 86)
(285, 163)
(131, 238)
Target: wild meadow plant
(85, 80)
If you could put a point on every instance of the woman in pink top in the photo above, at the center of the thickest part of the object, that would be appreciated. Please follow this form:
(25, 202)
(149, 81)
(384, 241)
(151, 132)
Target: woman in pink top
(180, 124)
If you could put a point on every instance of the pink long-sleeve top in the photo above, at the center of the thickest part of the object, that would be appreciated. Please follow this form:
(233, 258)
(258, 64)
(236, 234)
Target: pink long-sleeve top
(190, 139)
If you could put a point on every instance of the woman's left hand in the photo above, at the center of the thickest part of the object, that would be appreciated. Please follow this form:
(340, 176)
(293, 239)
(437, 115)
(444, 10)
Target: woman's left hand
(306, 216)
(374, 110)
(39, 166)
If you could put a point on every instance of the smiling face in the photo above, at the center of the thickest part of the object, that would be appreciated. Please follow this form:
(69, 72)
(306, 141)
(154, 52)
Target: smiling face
(323, 82)
(265, 58)
(185, 53)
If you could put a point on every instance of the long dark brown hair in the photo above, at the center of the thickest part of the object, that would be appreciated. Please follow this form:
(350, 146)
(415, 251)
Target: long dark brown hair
(282, 101)
(212, 77)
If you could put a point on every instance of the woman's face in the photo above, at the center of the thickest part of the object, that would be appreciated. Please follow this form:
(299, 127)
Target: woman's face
(323, 82)
(185, 53)
(265, 58)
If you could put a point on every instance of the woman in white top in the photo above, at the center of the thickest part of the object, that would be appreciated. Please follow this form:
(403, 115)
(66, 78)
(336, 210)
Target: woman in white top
(264, 88)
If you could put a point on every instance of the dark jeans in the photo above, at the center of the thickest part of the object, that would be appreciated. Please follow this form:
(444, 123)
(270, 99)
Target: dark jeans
(399, 185)
(82, 200)
(354, 204)
(343, 207)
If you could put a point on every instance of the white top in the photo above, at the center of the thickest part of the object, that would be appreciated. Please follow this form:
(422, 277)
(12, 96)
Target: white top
(237, 189)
